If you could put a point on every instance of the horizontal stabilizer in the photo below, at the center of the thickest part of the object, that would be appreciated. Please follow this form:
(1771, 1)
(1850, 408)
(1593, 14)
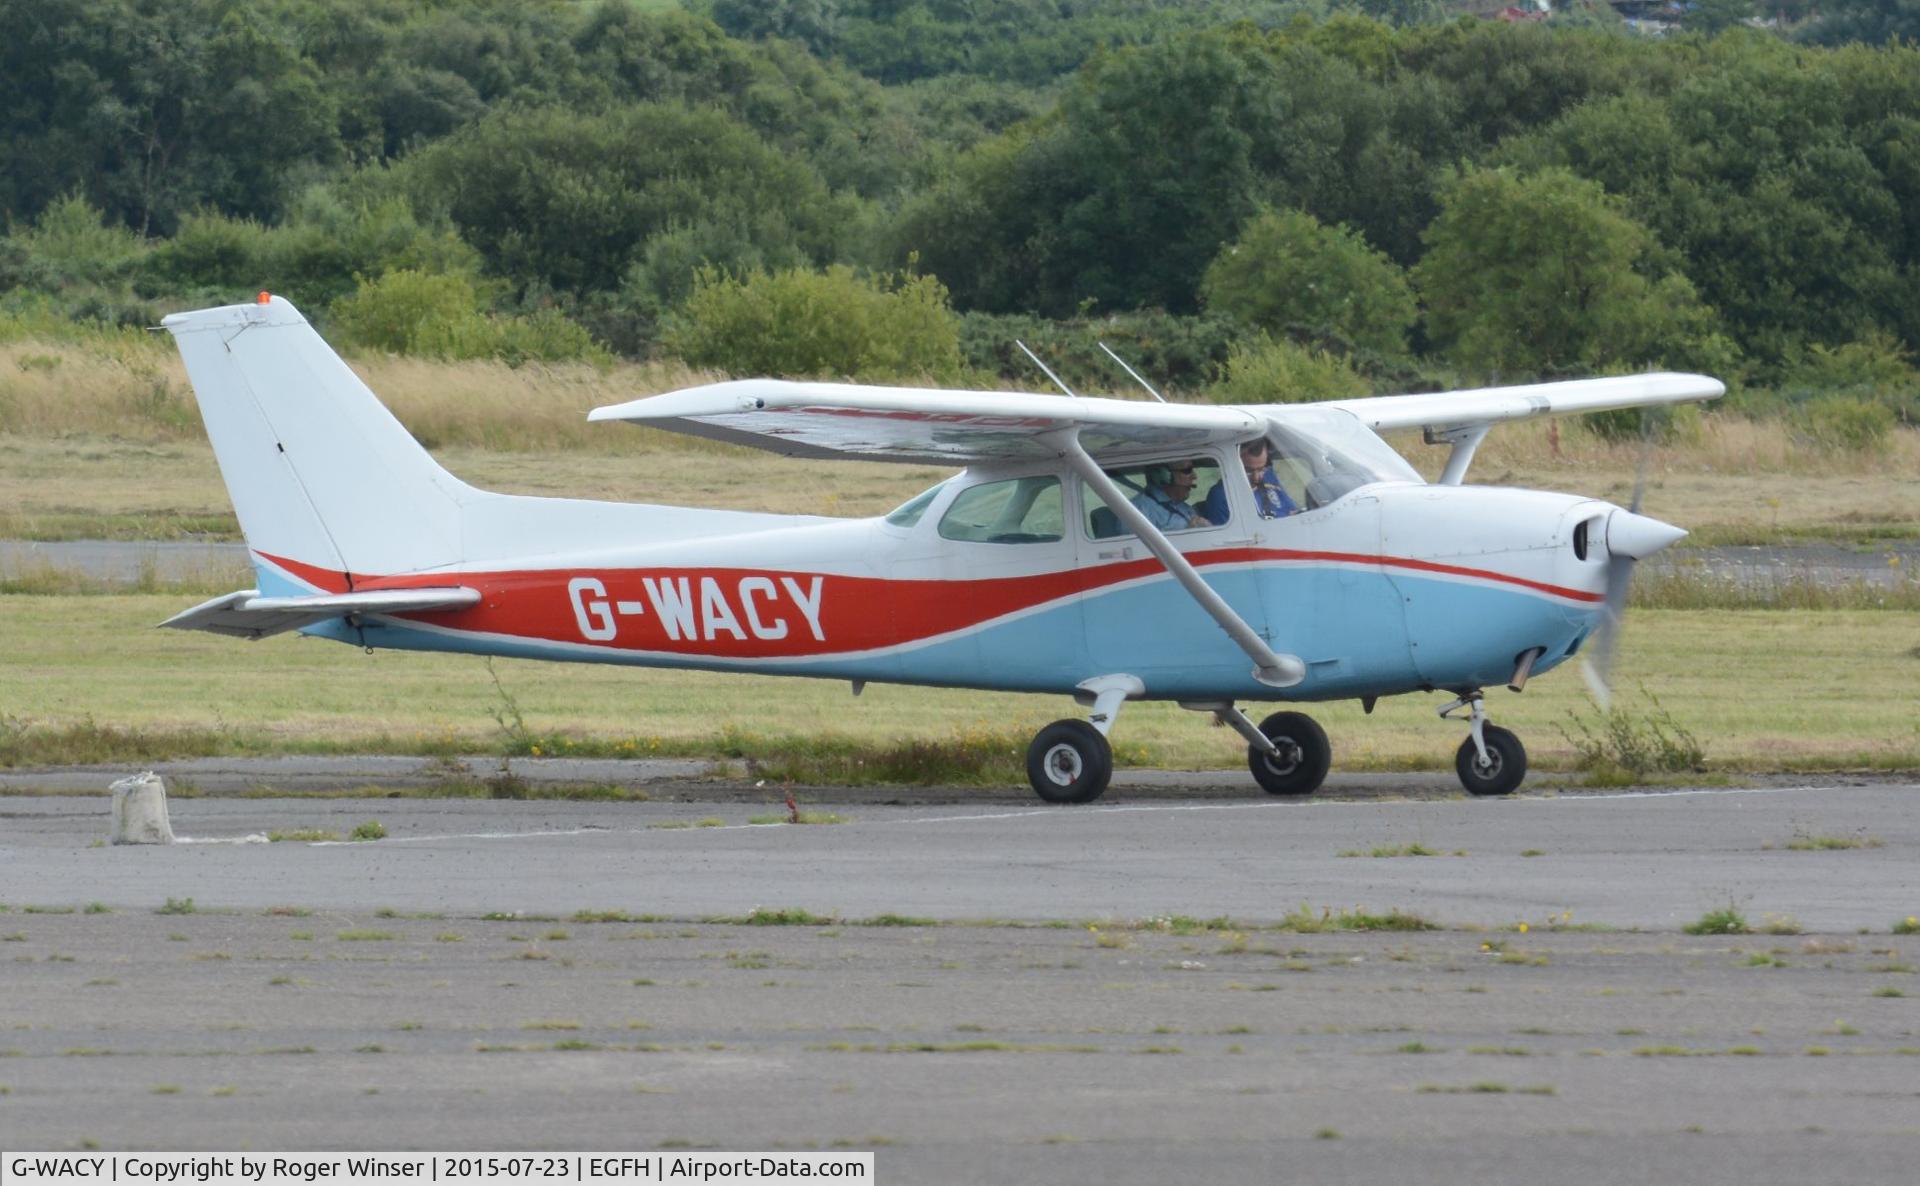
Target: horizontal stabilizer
(246, 614)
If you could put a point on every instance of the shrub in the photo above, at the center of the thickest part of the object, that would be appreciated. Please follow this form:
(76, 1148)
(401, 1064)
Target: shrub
(1846, 422)
(210, 251)
(1273, 371)
(828, 324)
(1877, 367)
(415, 312)
(1625, 741)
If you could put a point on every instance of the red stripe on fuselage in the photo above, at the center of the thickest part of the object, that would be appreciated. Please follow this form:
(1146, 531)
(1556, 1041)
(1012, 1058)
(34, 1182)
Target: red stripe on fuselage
(770, 613)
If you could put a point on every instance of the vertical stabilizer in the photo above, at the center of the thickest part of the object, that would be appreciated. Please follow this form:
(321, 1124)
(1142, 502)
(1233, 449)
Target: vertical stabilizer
(319, 471)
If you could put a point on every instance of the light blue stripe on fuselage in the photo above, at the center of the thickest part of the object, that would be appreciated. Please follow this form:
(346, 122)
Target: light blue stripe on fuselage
(1350, 625)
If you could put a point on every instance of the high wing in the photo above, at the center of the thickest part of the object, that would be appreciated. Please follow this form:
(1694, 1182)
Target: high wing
(1487, 405)
(914, 424)
(925, 424)
(246, 614)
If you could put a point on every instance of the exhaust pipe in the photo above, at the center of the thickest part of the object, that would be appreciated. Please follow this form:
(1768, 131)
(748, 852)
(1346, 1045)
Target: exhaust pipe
(1523, 668)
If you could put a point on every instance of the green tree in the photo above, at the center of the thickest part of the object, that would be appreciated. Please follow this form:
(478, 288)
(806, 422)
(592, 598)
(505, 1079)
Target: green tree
(1778, 175)
(1537, 274)
(1153, 160)
(827, 324)
(1872, 21)
(1276, 371)
(1287, 270)
(570, 200)
(1715, 16)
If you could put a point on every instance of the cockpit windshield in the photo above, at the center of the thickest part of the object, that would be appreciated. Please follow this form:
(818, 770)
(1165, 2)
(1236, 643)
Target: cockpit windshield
(908, 513)
(1331, 452)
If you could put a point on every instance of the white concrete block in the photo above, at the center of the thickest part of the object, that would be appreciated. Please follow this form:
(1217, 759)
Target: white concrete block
(140, 810)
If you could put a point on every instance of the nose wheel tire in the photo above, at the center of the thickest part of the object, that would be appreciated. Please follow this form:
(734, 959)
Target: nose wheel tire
(1069, 762)
(1505, 766)
(1301, 765)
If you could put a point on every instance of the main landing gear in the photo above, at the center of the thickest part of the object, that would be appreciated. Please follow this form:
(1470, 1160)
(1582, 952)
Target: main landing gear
(1070, 761)
(1288, 754)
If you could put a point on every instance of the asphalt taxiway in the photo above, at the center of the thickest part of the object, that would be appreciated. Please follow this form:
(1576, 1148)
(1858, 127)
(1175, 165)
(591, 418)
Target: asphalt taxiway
(988, 989)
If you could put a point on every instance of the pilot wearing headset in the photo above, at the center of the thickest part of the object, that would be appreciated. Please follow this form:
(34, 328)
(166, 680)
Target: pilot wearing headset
(1270, 498)
(1164, 501)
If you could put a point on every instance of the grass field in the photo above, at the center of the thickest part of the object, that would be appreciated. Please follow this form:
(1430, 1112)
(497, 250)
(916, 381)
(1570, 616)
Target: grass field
(1762, 691)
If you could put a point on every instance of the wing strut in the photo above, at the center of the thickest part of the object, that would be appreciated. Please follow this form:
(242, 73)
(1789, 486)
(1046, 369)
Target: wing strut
(1271, 669)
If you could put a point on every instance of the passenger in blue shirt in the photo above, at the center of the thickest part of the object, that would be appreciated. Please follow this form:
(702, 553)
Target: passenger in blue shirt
(1269, 497)
(1164, 501)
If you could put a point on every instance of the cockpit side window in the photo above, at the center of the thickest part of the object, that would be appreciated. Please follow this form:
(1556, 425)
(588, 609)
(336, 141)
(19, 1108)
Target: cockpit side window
(1014, 511)
(1169, 493)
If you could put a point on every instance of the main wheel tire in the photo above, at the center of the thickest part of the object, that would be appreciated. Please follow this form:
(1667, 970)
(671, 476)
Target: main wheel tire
(1301, 765)
(1505, 766)
(1069, 762)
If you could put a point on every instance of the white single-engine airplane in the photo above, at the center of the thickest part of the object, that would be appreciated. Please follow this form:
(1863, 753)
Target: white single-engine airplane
(1071, 555)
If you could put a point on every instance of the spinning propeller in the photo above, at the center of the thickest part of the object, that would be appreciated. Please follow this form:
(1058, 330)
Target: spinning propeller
(1631, 537)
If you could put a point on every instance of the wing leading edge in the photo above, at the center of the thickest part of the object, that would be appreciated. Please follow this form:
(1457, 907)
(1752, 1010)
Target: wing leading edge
(913, 424)
(1488, 405)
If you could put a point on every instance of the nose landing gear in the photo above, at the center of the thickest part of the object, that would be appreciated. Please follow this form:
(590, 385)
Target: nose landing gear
(1491, 761)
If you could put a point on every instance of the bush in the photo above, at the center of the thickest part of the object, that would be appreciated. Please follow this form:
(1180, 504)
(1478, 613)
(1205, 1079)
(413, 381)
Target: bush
(1628, 743)
(1875, 369)
(828, 324)
(210, 251)
(413, 312)
(1289, 271)
(1846, 422)
(1275, 372)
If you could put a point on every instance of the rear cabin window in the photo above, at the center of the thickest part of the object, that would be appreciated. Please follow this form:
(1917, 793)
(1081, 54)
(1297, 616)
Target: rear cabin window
(1016, 511)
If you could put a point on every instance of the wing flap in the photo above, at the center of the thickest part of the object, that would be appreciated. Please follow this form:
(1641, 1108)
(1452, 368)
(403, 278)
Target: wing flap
(909, 424)
(246, 614)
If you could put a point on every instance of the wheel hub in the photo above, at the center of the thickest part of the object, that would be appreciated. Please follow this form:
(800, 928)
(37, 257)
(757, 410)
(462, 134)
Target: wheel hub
(1063, 765)
(1286, 758)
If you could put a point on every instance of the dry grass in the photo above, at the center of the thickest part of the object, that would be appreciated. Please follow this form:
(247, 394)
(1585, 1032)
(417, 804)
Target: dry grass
(1731, 480)
(100, 438)
(1762, 691)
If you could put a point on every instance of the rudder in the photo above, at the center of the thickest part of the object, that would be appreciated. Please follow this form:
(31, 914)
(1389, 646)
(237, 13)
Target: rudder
(319, 471)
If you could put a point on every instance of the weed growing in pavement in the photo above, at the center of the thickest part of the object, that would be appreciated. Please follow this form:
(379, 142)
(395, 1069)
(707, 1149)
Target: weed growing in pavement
(177, 906)
(370, 830)
(1305, 921)
(1725, 921)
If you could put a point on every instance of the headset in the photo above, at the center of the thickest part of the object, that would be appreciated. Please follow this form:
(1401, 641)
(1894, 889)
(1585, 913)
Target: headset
(1158, 475)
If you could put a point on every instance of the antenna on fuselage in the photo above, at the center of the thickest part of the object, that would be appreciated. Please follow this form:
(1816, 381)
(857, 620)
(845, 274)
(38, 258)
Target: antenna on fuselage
(1134, 373)
(1043, 366)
